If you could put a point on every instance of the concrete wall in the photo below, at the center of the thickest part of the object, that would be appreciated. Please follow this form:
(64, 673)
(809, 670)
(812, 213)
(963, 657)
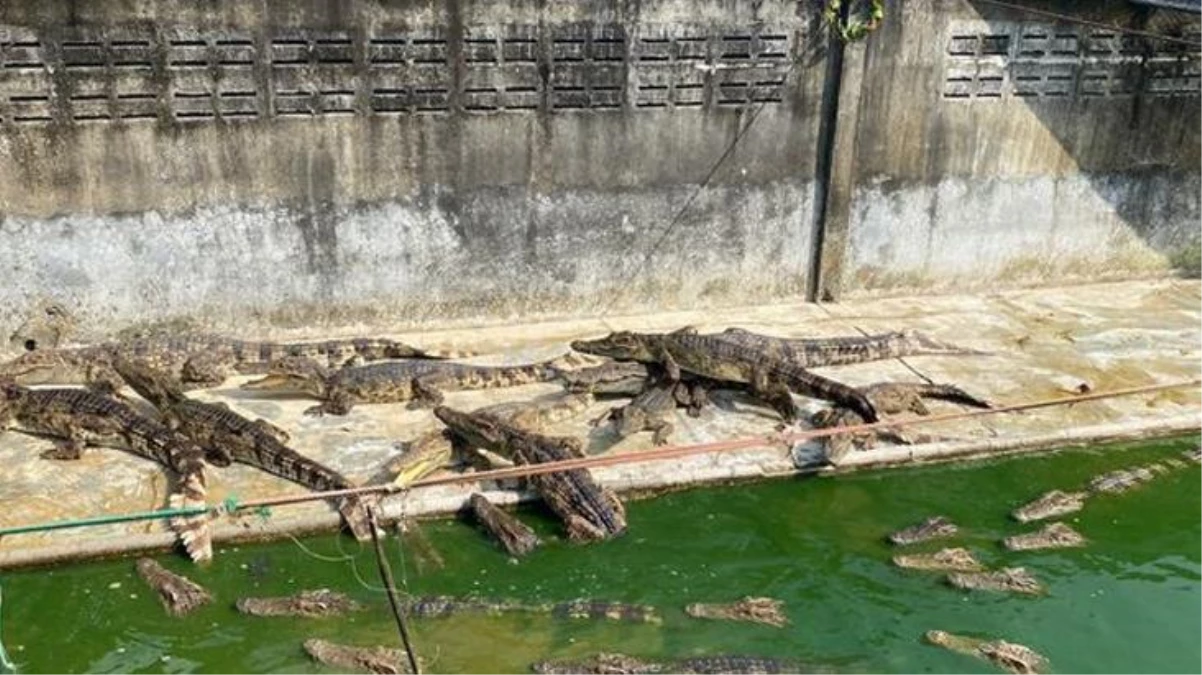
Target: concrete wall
(305, 163)
(989, 149)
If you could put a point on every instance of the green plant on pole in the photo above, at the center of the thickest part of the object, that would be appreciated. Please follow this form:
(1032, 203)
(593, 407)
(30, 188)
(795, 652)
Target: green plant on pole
(856, 26)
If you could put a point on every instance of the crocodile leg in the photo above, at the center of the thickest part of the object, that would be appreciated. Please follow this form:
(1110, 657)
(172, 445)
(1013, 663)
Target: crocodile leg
(425, 394)
(775, 393)
(337, 402)
(273, 431)
(661, 428)
(65, 449)
(202, 371)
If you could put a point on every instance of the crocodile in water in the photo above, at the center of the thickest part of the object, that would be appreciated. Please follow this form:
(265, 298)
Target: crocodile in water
(1010, 656)
(76, 417)
(588, 510)
(312, 604)
(1053, 535)
(178, 594)
(931, 528)
(618, 664)
(756, 610)
(944, 560)
(1050, 505)
(1007, 579)
(228, 436)
(346, 658)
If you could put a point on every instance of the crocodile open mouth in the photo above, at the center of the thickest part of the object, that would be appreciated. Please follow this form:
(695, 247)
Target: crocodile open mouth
(275, 382)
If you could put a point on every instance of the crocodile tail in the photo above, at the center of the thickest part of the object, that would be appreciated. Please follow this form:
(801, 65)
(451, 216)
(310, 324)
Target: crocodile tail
(947, 392)
(399, 350)
(193, 531)
(354, 513)
(918, 344)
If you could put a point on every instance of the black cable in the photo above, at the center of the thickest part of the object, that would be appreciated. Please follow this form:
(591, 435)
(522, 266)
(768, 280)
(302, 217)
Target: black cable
(1086, 22)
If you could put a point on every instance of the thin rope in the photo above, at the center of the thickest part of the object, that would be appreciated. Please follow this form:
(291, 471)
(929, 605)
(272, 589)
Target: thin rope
(1087, 22)
(669, 452)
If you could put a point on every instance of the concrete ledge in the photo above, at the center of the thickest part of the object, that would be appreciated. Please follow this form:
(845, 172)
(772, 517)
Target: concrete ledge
(1043, 344)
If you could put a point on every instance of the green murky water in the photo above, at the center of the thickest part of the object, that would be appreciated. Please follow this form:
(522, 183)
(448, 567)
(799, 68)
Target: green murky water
(1127, 603)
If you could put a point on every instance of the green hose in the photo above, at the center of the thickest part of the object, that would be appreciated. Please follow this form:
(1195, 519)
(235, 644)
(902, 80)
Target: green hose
(6, 664)
(105, 520)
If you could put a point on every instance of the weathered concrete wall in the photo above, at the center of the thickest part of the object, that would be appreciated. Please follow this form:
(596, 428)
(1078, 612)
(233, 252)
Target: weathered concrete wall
(991, 148)
(307, 163)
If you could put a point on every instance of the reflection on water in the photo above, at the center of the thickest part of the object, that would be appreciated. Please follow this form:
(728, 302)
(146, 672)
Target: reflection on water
(1128, 602)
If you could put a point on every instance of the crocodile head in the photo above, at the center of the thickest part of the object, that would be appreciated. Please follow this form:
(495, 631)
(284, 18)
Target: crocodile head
(479, 430)
(622, 346)
(40, 366)
(46, 327)
(296, 374)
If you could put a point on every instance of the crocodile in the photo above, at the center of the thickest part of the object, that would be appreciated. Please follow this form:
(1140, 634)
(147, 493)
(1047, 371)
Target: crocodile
(944, 560)
(514, 535)
(372, 659)
(756, 610)
(646, 412)
(197, 360)
(75, 418)
(437, 606)
(1120, 480)
(889, 398)
(932, 528)
(431, 451)
(317, 603)
(227, 436)
(843, 350)
(178, 594)
(588, 510)
(770, 379)
(1012, 657)
(1012, 579)
(1051, 504)
(420, 382)
(619, 664)
(1053, 535)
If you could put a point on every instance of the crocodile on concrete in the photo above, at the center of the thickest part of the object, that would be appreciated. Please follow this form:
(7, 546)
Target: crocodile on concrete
(843, 350)
(770, 379)
(227, 436)
(889, 398)
(74, 418)
(196, 360)
(417, 381)
(1009, 656)
(588, 510)
(647, 412)
(311, 604)
(434, 450)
